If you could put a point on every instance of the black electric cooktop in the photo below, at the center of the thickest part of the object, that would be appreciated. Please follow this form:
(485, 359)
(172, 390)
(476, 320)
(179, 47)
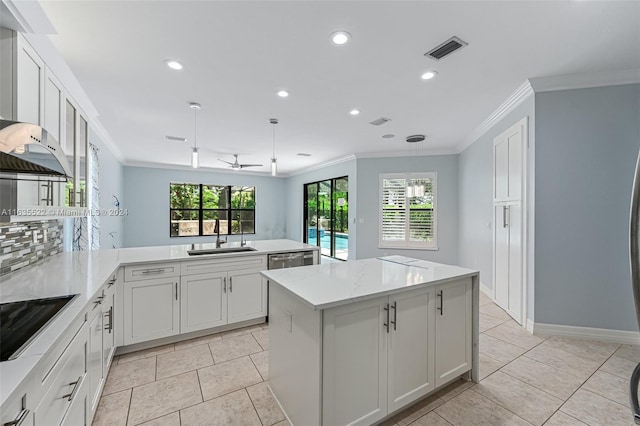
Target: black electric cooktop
(21, 321)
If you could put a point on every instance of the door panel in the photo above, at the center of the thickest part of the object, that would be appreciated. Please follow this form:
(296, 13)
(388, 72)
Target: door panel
(246, 297)
(411, 347)
(515, 165)
(203, 301)
(501, 257)
(355, 335)
(501, 170)
(151, 310)
(515, 262)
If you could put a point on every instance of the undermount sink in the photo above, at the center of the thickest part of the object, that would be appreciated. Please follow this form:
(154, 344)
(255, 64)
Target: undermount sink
(221, 250)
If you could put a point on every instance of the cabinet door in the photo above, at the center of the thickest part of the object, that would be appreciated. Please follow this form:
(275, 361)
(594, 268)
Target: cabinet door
(515, 141)
(151, 310)
(30, 84)
(203, 301)
(514, 308)
(453, 330)
(108, 332)
(94, 357)
(411, 347)
(69, 147)
(247, 296)
(355, 363)
(77, 412)
(501, 169)
(501, 255)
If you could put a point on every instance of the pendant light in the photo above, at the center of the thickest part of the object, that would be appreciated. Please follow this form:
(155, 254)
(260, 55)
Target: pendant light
(195, 161)
(274, 162)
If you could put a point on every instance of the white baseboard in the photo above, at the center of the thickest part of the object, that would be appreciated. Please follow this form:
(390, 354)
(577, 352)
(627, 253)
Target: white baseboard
(601, 334)
(486, 290)
(530, 326)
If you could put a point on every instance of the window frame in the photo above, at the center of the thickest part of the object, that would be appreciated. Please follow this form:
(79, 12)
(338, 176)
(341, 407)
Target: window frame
(407, 243)
(200, 210)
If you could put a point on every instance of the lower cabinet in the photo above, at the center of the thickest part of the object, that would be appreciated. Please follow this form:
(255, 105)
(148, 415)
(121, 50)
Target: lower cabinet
(162, 301)
(380, 355)
(94, 354)
(151, 309)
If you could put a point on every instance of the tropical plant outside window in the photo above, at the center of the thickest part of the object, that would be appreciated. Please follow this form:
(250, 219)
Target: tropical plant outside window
(408, 210)
(194, 209)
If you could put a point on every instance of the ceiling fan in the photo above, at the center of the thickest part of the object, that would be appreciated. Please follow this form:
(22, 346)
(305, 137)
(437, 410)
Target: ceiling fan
(237, 166)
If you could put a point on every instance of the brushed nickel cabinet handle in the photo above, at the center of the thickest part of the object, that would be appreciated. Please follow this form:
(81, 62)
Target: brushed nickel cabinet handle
(176, 290)
(441, 308)
(153, 271)
(386, 324)
(224, 284)
(19, 419)
(71, 395)
(395, 315)
(230, 284)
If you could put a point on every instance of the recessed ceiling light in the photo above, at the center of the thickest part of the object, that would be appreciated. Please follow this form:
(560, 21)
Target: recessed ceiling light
(354, 111)
(428, 75)
(283, 93)
(173, 64)
(340, 37)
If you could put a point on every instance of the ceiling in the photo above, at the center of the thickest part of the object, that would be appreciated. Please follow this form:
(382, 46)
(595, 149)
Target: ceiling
(238, 54)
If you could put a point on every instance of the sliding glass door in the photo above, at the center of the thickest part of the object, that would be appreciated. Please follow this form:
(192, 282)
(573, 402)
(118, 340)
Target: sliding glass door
(326, 216)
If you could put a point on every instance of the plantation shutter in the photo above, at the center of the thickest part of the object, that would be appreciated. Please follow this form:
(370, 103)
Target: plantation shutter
(407, 210)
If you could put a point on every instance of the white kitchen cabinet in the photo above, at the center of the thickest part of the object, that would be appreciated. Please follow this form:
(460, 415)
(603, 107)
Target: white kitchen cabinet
(355, 382)
(508, 163)
(65, 383)
(411, 347)
(379, 356)
(94, 353)
(78, 409)
(247, 296)
(203, 301)
(30, 84)
(452, 330)
(108, 330)
(151, 309)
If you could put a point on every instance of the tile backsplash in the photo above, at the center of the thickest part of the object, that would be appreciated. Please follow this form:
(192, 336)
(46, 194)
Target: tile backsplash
(17, 246)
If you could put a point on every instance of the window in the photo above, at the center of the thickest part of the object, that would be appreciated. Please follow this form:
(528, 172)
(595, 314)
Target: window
(408, 210)
(194, 209)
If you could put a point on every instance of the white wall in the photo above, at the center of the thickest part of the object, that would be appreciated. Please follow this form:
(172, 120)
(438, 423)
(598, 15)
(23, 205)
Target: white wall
(146, 195)
(368, 172)
(295, 195)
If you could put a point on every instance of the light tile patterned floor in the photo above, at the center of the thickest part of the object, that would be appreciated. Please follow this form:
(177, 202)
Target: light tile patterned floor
(221, 380)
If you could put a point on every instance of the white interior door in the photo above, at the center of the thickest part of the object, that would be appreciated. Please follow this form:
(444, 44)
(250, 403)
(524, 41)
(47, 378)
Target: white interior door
(501, 256)
(514, 225)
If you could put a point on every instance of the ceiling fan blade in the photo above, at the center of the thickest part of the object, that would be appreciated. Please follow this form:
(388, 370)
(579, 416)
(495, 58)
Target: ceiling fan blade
(250, 165)
(231, 164)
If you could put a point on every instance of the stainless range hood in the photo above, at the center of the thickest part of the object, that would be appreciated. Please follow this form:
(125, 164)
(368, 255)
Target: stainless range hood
(26, 148)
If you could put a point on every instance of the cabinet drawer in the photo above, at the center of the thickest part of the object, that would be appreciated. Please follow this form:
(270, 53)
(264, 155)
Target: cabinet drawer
(66, 379)
(151, 271)
(257, 263)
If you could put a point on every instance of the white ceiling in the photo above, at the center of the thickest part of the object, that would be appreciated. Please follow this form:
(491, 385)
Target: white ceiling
(238, 54)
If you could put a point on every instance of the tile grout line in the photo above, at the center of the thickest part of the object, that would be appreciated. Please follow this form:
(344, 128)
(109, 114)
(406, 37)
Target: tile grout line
(500, 405)
(580, 387)
(253, 405)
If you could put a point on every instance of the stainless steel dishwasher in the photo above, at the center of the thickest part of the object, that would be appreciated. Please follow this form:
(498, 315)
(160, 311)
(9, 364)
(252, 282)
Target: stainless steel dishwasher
(290, 260)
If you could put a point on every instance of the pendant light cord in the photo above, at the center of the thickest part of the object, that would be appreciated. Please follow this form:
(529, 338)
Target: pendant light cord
(195, 128)
(274, 140)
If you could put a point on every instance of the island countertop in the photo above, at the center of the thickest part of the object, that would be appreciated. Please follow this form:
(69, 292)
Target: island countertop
(334, 284)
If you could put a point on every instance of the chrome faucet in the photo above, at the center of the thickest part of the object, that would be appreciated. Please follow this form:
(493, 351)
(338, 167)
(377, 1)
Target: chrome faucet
(242, 241)
(218, 241)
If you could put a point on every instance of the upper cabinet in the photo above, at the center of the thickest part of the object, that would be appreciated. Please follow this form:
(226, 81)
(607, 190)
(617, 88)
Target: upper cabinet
(508, 163)
(30, 92)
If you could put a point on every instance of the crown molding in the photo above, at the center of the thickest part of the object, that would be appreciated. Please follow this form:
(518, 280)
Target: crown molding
(322, 165)
(181, 167)
(521, 93)
(585, 80)
(107, 140)
(423, 153)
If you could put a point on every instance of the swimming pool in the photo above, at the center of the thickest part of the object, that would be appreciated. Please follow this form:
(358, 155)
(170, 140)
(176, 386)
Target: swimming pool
(342, 241)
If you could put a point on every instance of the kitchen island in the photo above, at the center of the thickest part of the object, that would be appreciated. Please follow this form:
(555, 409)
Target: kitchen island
(355, 342)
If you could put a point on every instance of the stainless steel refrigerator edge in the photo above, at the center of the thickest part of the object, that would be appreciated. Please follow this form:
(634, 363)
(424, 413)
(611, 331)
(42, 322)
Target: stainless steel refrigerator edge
(634, 252)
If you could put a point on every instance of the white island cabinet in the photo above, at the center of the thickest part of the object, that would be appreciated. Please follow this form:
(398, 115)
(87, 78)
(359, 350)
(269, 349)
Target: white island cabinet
(370, 337)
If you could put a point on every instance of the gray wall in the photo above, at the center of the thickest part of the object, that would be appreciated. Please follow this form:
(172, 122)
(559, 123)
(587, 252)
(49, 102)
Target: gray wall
(587, 143)
(294, 199)
(111, 183)
(146, 195)
(368, 172)
(475, 196)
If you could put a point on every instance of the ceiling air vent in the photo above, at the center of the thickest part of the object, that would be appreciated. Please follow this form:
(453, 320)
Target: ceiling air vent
(176, 138)
(415, 138)
(303, 154)
(446, 48)
(380, 121)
